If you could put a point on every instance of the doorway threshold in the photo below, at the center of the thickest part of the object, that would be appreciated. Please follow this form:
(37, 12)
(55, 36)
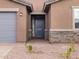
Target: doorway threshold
(38, 41)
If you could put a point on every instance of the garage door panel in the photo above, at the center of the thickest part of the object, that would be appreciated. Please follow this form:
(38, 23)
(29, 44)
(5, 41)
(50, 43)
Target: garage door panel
(4, 40)
(8, 36)
(7, 41)
(7, 30)
(7, 27)
(6, 23)
(5, 33)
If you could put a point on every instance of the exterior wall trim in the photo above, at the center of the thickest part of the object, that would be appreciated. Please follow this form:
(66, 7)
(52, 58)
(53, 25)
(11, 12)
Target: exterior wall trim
(9, 9)
(73, 24)
(61, 30)
(31, 30)
(37, 13)
(73, 21)
(75, 6)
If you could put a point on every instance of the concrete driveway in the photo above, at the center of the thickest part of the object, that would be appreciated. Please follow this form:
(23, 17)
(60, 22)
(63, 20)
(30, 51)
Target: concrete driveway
(4, 50)
(41, 50)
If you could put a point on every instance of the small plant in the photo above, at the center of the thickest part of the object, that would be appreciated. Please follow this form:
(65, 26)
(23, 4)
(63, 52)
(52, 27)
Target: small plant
(71, 49)
(72, 43)
(68, 53)
(29, 47)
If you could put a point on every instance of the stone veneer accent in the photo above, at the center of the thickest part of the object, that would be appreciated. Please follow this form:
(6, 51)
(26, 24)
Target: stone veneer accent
(63, 36)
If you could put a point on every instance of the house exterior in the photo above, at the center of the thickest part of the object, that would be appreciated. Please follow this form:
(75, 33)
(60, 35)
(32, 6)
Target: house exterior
(63, 20)
(13, 20)
(52, 20)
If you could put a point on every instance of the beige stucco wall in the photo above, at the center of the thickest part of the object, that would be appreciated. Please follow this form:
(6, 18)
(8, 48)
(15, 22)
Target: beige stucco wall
(62, 19)
(37, 4)
(21, 21)
(61, 14)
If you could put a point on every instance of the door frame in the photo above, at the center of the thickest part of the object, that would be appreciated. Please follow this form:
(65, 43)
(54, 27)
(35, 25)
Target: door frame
(31, 26)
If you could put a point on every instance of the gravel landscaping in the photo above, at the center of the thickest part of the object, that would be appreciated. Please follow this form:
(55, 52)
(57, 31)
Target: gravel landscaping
(41, 51)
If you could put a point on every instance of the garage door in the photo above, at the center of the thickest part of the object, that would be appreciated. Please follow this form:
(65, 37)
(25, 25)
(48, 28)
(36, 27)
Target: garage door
(7, 27)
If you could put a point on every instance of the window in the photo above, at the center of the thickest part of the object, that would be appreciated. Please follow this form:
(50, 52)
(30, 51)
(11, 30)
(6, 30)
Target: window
(76, 17)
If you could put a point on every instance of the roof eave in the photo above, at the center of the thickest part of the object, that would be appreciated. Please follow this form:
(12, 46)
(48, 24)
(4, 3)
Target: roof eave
(47, 5)
(28, 5)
